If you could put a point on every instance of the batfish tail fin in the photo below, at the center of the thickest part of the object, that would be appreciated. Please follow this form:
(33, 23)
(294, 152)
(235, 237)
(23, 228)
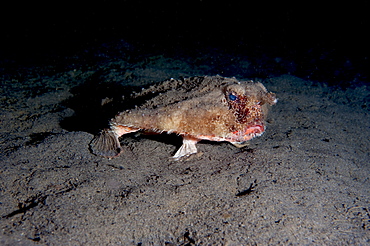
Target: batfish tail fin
(106, 144)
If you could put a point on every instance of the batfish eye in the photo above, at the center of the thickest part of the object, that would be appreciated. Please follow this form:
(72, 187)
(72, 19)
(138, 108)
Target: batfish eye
(232, 97)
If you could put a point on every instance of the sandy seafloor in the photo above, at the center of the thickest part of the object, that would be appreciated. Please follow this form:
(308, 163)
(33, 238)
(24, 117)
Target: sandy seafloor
(309, 171)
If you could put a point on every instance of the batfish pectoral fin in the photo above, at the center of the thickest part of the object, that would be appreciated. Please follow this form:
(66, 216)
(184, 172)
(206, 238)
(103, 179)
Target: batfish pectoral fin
(240, 144)
(187, 148)
(106, 144)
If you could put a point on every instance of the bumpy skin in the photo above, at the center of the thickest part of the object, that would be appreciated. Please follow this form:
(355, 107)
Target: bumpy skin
(213, 108)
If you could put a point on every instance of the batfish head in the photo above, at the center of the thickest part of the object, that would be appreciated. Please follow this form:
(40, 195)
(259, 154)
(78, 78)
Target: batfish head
(248, 101)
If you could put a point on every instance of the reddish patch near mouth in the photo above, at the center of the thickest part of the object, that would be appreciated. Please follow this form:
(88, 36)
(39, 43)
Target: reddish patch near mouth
(256, 129)
(248, 133)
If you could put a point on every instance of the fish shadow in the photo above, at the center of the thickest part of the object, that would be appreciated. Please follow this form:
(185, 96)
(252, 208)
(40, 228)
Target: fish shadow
(94, 103)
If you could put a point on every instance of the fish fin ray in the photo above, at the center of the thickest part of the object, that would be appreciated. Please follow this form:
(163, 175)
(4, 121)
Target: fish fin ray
(106, 144)
(187, 148)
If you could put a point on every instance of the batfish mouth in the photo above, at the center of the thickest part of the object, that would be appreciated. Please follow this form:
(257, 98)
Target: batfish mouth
(248, 133)
(255, 129)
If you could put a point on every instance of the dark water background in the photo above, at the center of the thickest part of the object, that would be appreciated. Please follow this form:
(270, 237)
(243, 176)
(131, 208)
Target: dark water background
(326, 43)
